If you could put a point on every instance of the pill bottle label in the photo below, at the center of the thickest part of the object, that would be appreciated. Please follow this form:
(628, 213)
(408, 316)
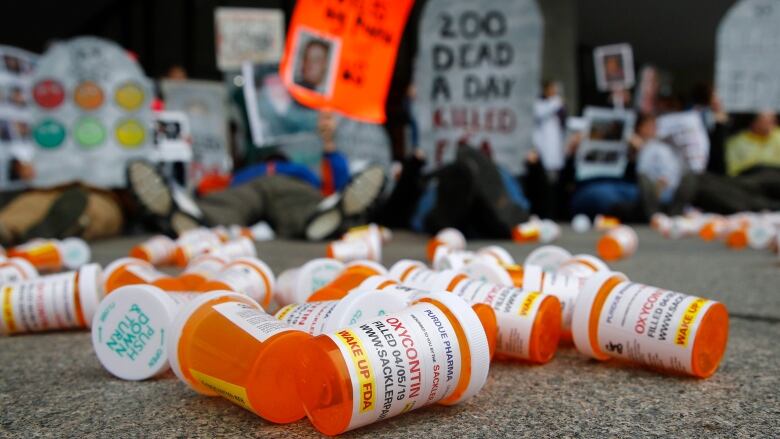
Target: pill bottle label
(253, 321)
(230, 391)
(400, 362)
(419, 277)
(207, 267)
(159, 249)
(246, 280)
(515, 313)
(651, 325)
(42, 304)
(143, 272)
(10, 274)
(564, 288)
(182, 297)
(309, 317)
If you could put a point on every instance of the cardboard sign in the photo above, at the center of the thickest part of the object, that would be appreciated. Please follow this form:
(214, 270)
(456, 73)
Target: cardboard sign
(604, 150)
(476, 78)
(276, 119)
(171, 133)
(614, 67)
(247, 34)
(340, 55)
(748, 57)
(16, 67)
(686, 133)
(90, 114)
(204, 103)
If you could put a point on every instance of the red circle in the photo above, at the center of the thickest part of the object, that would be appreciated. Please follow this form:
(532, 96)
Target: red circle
(48, 93)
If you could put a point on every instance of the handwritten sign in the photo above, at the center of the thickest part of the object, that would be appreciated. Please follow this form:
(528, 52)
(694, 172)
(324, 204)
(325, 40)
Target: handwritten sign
(340, 55)
(248, 34)
(748, 57)
(476, 78)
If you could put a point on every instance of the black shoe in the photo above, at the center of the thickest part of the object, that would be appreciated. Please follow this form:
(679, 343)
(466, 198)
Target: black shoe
(327, 221)
(65, 217)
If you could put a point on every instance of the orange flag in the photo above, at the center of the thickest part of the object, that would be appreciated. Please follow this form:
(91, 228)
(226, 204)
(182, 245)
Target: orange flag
(340, 54)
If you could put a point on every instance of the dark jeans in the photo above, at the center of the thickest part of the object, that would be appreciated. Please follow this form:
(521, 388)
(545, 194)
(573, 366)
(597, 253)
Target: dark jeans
(754, 190)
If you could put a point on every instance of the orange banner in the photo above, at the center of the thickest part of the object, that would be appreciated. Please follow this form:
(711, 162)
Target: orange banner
(340, 54)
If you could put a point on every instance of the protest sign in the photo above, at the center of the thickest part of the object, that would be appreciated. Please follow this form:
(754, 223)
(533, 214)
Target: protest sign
(748, 57)
(16, 67)
(90, 114)
(248, 34)
(276, 119)
(205, 104)
(341, 55)
(685, 132)
(603, 151)
(614, 67)
(476, 78)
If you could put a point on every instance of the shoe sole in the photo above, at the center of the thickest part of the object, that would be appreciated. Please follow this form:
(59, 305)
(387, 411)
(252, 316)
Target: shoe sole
(150, 189)
(181, 222)
(324, 224)
(62, 220)
(363, 191)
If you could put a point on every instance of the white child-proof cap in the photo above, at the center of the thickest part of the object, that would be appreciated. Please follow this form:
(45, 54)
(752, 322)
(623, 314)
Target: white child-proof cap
(488, 271)
(479, 350)
(91, 290)
(580, 322)
(242, 247)
(298, 284)
(360, 306)
(452, 238)
(25, 269)
(549, 257)
(497, 253)
(75, 253)
(145, 313)
(580, 223)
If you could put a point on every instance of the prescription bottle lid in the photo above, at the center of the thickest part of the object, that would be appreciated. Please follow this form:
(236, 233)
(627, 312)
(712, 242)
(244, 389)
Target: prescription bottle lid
(91, 290)
(263, 269)
(488, 271)
(28, 270)
(241, 247)
(580, 324)
(549, 257)
(75, 253)
(476, 338)
(376, 266)
(592, 261)
(117, 263)
(176, 328)
(497, 253)
(376, 282)
(452, 238)
(399, 270)
(361, 306)
(300, 283)
(133, 312)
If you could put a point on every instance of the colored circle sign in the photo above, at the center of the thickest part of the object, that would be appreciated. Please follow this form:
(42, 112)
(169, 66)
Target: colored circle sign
(130, 133)
(89, 132)
(88, 95)
(129, 96)
(49, 133)
(48, 93)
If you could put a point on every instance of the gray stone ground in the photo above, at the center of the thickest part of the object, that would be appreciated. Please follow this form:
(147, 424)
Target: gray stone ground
(52, 384)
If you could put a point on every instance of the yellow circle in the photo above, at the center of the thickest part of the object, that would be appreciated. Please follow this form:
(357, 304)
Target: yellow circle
(130, 133)
(129, 96)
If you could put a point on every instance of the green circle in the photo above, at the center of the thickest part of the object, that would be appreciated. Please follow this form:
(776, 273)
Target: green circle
(49, 133)
(89, 132)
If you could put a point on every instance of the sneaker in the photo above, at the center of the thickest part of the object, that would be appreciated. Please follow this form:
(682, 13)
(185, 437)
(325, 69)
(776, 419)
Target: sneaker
(363, 191)
(150, 189)
(327, 220)
(65, 217)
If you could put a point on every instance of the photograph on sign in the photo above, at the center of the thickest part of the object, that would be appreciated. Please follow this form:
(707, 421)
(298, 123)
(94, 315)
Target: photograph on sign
(603, 152)
(16, 69)
(315, 61)
(248, 34)
(614, 67)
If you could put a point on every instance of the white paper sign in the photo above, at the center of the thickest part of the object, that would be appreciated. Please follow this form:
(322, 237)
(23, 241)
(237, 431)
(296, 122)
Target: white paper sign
(90, 113)
(476, 77)
(248, 34)
(748, 57)
(16, 69)
(604, 150)
(685, 131)
(204, 103)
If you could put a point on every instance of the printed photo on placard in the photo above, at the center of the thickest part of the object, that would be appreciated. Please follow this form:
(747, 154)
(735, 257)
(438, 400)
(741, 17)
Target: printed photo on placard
(315, 61)
(603, 152)
(614, 67)
(16, 69)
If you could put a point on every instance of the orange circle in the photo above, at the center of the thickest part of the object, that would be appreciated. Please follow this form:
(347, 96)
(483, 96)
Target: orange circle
(88, 95)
